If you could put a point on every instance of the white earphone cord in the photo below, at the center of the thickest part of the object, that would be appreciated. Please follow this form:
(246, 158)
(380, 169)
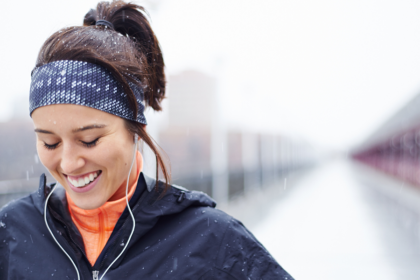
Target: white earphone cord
(62, 249)
(129, 209)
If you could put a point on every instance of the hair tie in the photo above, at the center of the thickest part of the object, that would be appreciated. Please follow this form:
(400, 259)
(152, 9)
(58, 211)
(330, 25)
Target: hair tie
(105, 23)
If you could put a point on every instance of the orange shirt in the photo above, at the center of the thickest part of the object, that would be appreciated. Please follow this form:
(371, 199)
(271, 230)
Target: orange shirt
(96, 225)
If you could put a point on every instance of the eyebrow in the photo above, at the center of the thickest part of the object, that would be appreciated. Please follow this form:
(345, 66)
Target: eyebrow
(83, 128)
(42, 131)
(93, 126)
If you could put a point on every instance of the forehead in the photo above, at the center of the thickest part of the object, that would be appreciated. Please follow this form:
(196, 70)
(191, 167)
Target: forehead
(70, 116)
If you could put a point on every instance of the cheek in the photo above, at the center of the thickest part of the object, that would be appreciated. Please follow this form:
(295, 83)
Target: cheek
(112, 155)
(47, 157)
(116, 158)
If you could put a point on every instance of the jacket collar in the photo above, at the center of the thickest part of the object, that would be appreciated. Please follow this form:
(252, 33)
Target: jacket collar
(40, 196)
(171, 197)
(149, 208)
(147, 205)
(44, 189)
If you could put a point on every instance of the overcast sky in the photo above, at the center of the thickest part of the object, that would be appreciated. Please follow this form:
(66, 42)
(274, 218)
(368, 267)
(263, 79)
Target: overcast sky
(328, 71)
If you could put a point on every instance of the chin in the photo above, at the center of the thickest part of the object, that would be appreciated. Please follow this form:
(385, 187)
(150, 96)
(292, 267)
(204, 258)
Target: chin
(86, 203)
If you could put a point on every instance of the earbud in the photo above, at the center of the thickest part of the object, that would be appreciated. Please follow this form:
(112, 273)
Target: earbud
(136, 138)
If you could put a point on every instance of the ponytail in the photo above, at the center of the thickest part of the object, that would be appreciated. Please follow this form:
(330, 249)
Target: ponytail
(130, 20)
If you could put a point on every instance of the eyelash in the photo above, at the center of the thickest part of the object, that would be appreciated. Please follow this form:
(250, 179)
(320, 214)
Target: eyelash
(87, 145)
(90, 144)
(51, 147)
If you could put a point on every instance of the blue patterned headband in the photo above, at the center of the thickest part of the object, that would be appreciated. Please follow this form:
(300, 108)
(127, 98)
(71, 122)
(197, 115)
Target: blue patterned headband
(83, 83)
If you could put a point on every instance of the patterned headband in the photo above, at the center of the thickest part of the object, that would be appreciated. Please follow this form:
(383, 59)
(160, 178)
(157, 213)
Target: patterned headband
(83, 83)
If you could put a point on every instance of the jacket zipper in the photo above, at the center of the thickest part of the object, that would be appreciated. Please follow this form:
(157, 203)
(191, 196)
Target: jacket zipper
(95, 274)
(119, 233)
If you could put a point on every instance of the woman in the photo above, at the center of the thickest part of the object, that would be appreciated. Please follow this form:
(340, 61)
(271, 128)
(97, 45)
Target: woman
(105, 219)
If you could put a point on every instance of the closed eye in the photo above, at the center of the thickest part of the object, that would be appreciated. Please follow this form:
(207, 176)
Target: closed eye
(51, 147)
(90, 144)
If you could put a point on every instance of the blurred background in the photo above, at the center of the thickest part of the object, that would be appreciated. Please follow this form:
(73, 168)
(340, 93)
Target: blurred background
(301, 118)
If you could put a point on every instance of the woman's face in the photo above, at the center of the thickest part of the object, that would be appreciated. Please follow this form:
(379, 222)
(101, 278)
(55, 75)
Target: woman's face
(89, 152)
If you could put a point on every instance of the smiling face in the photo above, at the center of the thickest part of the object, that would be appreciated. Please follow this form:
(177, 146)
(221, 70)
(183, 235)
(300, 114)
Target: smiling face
(89, 152)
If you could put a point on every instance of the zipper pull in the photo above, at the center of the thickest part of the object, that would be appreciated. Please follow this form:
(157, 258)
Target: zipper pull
(95, 274)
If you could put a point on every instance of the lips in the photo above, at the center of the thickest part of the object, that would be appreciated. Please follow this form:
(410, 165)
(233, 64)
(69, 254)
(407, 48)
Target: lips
(85, 182)
(81, 181)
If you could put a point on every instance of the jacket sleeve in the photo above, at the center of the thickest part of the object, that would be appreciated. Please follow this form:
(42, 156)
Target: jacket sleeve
(241, 256)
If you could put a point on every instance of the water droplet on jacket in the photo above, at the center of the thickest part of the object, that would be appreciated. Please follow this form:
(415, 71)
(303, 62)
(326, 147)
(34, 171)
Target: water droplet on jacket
(203, 211)
(215, 221)
(122, 244)
(3, 225)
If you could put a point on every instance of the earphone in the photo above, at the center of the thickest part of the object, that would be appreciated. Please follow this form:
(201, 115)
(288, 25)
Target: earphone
(128, 206)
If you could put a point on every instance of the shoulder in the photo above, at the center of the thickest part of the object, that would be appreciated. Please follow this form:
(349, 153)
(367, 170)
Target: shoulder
(18, 214)
(207, 221)
(196, 209)
(241, 255)
(16, 219)
(190, 225)
(237, 253)
(17, 208)
(31, 205)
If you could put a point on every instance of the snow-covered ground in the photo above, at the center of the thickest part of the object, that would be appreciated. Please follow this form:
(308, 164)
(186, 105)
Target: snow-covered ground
(327, 226)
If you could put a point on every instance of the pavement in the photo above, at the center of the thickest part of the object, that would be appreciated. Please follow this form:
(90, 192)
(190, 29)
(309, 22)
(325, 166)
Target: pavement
(331, 222)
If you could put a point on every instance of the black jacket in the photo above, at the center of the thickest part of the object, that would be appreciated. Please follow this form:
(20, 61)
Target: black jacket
(180, 236)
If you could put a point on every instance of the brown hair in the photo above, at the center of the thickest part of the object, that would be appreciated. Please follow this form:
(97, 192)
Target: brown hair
(131, 53)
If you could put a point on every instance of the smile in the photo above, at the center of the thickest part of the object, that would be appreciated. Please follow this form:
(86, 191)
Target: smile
(83, 180)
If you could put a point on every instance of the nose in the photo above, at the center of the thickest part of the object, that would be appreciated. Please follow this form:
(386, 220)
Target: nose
(71, 159)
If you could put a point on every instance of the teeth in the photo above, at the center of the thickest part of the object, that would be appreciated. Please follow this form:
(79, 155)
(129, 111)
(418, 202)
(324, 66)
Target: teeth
(74, 182)
(83, 181)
